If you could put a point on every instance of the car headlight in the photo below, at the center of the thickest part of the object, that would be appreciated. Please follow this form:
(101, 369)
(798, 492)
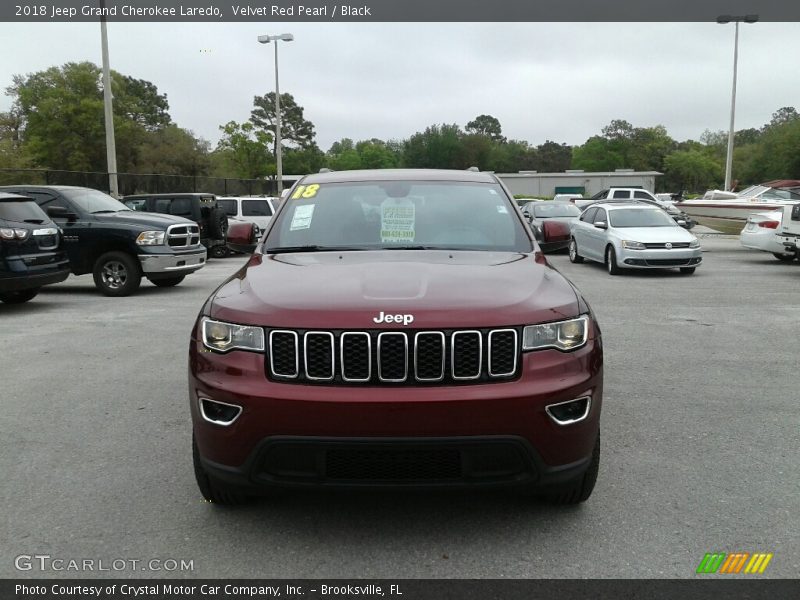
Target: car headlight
(694, 243)
(221, 336)
(633, 245)
(151, 238)
(564, 335)
(10, 234)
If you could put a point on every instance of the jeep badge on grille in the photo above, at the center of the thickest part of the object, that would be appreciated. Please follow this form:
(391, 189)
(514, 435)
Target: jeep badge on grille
(384, 318)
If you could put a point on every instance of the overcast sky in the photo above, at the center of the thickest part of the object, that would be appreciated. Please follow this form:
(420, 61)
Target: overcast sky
(558, 81)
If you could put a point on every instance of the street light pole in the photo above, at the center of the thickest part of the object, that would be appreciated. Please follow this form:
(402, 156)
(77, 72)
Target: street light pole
(723, 19)
(111, 146)
(266, 39)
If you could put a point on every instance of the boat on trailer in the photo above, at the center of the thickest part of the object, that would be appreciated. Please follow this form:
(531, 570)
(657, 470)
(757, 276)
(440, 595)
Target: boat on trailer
(728, 211)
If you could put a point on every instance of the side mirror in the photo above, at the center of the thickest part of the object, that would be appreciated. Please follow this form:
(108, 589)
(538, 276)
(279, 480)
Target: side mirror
(242, 237)
(601, 225)
(555, 231)
(59, 212)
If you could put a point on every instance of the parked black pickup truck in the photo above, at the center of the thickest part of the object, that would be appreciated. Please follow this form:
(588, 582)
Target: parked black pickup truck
(117, 245)
(31, 250)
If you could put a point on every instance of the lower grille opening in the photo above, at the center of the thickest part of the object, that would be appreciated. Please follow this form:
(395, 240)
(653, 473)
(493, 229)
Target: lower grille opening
(572, 411)
(219, 413)
(393, 465)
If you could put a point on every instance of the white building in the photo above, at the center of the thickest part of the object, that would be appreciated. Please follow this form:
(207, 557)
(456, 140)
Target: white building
(531, 183)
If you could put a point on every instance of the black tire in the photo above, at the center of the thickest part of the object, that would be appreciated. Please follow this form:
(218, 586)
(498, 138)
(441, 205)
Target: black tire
(117, 274)
(19, 296)
(219, 251)
(574, 257)
(211, 490)
(611, 261)
(784, 257)
(580, 489)
(688, 270)
(168, 281)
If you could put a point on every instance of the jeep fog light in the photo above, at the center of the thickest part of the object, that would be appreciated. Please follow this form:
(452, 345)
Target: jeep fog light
(569, 412)
(219, 413)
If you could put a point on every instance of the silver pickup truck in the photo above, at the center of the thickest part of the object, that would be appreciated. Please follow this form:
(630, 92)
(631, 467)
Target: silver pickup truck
(789, 233)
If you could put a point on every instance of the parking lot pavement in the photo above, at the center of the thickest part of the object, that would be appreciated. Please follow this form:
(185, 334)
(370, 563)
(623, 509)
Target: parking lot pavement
(700, 448)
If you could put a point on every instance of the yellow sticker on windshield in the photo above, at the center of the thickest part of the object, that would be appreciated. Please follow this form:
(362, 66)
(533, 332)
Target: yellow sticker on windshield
(305, 191)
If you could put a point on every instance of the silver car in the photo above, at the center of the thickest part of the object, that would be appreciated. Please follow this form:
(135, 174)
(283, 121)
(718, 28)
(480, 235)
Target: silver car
(632, 235)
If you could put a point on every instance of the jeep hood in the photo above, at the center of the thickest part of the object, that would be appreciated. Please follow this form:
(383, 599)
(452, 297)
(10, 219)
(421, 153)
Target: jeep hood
(441, 289)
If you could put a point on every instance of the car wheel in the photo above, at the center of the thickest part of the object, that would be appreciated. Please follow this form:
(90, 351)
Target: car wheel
(688, 270)
(168, 281)
(784, 257)
(581, 488)
(611, 261)
(211, 490)
(117, 274)
(574, 257)
(19, 296)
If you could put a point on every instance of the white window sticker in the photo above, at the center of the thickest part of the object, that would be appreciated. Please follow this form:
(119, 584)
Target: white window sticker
(397, 221)
(301, 219)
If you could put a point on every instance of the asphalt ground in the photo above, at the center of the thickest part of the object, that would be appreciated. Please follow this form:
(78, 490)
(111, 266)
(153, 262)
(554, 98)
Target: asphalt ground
(700, 444)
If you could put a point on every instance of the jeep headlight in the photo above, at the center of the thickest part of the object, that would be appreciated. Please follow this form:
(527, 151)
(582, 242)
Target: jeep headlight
(221, 336)
(150, 238)
(563, 335)
(629, 245)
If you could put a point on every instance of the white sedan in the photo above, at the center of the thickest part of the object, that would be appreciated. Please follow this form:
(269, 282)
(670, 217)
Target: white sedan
(760, 234)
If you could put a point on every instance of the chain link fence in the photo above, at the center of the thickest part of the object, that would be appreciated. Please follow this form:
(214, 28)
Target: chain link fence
(139, 183)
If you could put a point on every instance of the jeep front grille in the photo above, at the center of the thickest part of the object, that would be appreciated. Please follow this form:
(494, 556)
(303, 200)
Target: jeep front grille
(183, 236)
(380, 357)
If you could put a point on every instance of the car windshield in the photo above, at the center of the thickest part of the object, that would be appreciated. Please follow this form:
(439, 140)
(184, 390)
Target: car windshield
(22, 211)
(546, 211)
(640, 217)
(408, 215)
(94, 201)
(228, 205)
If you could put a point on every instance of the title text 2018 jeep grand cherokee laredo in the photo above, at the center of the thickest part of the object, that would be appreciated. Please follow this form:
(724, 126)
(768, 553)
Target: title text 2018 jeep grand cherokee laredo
(396, 328)
(104, 237)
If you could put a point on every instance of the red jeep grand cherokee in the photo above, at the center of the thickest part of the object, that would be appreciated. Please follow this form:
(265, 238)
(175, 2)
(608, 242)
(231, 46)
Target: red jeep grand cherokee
(396, 328)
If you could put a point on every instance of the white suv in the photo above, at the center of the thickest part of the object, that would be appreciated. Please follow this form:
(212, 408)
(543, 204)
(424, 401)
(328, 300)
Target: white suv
(253, 209)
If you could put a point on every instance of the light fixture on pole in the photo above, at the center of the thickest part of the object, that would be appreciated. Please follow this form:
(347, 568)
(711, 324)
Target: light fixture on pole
(266, 39)
(722, 20)
(111, 146)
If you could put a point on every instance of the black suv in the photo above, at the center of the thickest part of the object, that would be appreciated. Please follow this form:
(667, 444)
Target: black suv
(118, 246)
(31, 252)
(203, 209)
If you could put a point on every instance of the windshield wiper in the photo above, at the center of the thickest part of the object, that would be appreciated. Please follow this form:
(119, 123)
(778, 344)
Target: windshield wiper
(311, 248)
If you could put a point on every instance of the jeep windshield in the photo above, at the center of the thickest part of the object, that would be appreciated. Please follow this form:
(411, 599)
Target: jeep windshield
(398, 215)
(94, 201)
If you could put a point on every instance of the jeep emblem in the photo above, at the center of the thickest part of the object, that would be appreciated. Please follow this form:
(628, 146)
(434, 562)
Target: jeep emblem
(384, 318)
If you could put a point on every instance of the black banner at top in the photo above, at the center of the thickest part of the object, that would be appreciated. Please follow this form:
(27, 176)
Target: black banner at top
(395, 10)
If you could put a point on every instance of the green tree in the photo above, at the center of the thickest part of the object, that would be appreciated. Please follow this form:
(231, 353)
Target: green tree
(244, 150)
(552, 157)
(692, 170)
(296, 130)
(61, 116)
(299, 161)
(486, 125)
(438, 147)
(173, 151)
